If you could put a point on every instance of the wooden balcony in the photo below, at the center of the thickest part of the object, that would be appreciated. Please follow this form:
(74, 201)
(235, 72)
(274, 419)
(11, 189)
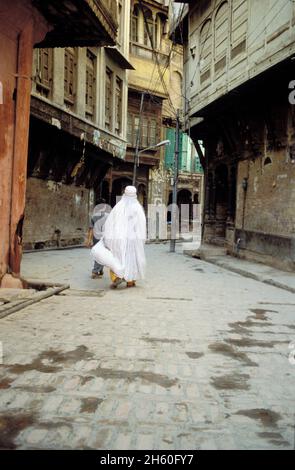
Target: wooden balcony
(79, 22)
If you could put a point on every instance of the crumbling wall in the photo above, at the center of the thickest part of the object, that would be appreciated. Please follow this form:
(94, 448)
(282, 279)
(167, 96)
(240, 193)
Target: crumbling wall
(268, 203)
(56, 214)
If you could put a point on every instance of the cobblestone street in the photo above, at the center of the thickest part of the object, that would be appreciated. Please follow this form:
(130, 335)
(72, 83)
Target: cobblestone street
(195, 357)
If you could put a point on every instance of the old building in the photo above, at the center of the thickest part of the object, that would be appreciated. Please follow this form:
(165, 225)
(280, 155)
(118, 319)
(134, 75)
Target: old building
(190, 174)
(147, 85)
(23, 25)
(239, 68)
(190, 171)
(77, 134)
(155, 94)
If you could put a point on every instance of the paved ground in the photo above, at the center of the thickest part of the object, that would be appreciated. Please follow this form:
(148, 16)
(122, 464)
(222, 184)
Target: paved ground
(248, 268)
(194, 358)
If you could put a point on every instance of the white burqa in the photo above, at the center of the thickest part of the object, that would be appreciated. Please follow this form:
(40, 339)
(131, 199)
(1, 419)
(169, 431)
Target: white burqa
(125, 235)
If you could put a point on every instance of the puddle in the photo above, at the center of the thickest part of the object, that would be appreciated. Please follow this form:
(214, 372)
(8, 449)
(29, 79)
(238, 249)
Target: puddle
(251, 343)
(160, 340)
(5, 383)
(11, 426)
(84, 380)
(231, 382)
(266, 417)
(36, 389)
(150, 377)
(236, 328)
(194, 355)
(274, 438)
(260, 313)
(228, 350)
(52, 360)
(243, 328)
(89, 405)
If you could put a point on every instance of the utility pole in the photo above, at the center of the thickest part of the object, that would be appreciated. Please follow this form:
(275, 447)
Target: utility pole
(136, 155)
(174, 221)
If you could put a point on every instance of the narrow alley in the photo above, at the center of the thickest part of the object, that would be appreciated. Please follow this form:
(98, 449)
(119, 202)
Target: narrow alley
(195, 357)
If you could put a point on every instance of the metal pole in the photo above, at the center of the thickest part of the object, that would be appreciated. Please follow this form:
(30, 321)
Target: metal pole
(136, 155)
(174, 220)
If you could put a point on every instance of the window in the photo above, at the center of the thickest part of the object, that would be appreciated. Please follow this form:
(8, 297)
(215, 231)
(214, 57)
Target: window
(44, 72)
(149, 134)
(134, 25)
(205, 51)
(130, 129)
(133, 123)
(153, 132)
(144, 132)
(157, 41)
(70, 76)
(118, 105)
(149, 29)
(160, 31)
(90, 85)
(108, 99)
(135, 130)
(121, 25)
(221, 36)
(239, 27)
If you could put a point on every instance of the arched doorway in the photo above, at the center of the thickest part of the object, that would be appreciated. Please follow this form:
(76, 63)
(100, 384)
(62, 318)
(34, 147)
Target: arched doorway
(118, 188)
(185, 198)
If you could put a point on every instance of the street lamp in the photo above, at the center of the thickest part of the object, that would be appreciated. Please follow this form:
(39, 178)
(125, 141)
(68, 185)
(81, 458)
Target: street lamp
(137, 152)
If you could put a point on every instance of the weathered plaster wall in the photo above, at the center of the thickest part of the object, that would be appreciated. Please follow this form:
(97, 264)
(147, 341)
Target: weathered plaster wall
(56, 214)
(269, 202)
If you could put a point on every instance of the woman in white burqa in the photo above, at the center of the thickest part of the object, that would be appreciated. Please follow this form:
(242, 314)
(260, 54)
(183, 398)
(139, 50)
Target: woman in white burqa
(125, 235)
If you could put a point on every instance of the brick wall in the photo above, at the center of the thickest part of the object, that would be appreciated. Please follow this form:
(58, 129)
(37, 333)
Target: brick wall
(269, 202)
(56, 214)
